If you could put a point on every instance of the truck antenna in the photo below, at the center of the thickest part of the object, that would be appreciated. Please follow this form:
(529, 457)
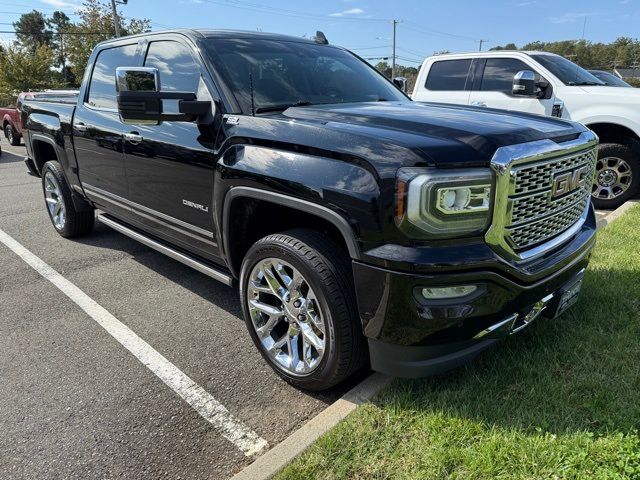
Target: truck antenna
(253, 104)
(320, 38)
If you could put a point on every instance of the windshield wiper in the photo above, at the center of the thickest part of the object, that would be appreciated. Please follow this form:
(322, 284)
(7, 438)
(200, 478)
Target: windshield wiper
(276, 108)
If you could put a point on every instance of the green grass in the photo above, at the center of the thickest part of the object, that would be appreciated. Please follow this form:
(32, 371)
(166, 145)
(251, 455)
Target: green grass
(561, 400)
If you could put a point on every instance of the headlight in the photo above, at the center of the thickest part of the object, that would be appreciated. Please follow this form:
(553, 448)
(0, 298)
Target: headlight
(443, 203)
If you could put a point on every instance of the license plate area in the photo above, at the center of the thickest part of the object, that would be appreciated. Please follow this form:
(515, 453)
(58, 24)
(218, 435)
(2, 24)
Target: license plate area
(567, 296)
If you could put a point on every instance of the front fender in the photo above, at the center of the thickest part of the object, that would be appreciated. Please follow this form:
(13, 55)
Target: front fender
(345, 194)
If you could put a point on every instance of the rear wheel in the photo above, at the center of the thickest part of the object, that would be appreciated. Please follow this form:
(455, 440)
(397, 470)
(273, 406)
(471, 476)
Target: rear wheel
(67, 221)
(299, 306)
(11, 136)
(617, 177)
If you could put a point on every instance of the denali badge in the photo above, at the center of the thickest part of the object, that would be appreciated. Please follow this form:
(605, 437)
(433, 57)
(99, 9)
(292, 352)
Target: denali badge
(569, 181)
(191, 204)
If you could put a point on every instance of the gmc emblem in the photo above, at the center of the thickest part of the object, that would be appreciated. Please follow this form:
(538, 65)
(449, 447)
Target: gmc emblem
(567, 182)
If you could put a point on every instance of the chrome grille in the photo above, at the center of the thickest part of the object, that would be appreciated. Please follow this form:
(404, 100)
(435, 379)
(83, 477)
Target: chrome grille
(537, 176)
(535, 216)
(548, 227)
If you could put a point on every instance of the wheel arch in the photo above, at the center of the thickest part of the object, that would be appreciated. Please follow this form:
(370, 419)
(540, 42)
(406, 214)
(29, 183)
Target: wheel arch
(44, 149)
(609, 132)
(310, 214)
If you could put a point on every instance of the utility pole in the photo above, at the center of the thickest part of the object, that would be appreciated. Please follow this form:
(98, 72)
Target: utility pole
(116, 20)
(481, 41)
(393, 60)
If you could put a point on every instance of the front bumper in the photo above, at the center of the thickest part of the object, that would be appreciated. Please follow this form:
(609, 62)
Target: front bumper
(423, 360)
(410, 336)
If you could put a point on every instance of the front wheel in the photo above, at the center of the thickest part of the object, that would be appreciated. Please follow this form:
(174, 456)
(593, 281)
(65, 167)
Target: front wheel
(299, 307)
(617, 177)
(66, 219)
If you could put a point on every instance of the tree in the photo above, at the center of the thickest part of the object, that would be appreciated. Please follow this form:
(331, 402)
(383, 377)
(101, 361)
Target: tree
(23, 70)
(384, 68)
(31, 30)
(508, 46)
(96, 25)
(59, 23)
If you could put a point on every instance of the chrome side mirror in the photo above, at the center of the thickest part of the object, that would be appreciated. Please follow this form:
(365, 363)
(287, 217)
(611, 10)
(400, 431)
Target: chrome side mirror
(401, 83)
(140, 98)
(524, 83)
(137, 79)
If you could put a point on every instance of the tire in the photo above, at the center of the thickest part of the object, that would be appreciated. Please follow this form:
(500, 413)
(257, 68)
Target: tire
(323, 273)
(11, 136)
(67, 221)
(617, 177)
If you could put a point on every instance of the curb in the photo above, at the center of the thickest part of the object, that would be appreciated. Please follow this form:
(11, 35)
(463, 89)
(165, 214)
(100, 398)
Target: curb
(617, 213)
(267, 465)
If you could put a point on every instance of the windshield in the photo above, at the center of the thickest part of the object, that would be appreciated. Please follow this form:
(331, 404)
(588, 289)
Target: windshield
(286, 73)
(609, 79)
(567, 72)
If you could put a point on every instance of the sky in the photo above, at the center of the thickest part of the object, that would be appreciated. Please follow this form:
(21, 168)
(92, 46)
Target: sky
(365, 26)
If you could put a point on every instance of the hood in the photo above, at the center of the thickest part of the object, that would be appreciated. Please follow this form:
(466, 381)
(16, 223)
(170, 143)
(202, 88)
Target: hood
(621, 93)
(440, 134)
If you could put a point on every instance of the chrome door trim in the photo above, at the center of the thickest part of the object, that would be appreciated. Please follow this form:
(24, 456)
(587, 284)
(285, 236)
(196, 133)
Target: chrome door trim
(170, 252)
(151, 214)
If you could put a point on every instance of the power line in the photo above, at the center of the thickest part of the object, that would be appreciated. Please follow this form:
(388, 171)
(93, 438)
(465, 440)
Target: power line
(370, 48)
(422, 29)
(14, 32)
(287, 12)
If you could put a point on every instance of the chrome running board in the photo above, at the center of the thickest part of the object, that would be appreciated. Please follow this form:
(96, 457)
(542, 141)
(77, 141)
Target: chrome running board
(170, 252)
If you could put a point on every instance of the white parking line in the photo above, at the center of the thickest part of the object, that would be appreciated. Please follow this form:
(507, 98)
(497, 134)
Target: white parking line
(208, 407)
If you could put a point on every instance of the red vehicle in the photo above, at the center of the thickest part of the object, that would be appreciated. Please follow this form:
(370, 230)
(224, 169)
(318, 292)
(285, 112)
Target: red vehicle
(11, 117)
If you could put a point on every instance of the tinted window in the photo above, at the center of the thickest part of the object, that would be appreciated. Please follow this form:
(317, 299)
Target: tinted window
(284, 73)
(448, 75)
(567, 72)
(499, 73)
(178, 70)
(609, 78)
(102, 89)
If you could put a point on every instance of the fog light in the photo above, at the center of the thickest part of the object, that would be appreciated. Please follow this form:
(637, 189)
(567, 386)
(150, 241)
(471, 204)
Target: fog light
(439, 293)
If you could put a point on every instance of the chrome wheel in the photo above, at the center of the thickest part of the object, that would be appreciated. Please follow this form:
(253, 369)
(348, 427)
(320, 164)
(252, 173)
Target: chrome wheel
(286, 316)
(613, 178)
(55, 202)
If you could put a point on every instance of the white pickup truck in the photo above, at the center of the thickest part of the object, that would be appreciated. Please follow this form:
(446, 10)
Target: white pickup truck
(547, 84)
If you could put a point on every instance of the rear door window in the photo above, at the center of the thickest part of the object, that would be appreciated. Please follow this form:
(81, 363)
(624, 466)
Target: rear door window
(102, 88)
(449, 75)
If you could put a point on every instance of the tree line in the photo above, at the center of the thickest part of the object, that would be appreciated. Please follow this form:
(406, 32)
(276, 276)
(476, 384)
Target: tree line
(51, 51)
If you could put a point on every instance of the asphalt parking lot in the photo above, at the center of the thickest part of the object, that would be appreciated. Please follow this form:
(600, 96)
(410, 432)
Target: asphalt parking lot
(76, 403)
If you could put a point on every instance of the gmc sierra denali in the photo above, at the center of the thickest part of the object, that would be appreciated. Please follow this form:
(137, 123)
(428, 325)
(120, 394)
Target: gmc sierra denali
(358, 225)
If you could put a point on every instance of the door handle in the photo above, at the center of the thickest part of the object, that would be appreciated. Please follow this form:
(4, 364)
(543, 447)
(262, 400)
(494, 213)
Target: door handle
(133, 137)
(478, 104)
(81, 127)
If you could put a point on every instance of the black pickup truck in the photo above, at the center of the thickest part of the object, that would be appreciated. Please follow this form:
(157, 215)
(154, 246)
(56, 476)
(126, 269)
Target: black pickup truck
(359, 226)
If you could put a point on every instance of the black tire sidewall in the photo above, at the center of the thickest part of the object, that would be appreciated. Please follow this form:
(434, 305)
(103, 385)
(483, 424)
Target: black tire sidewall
(633, 160)
(317, 379)
(76, 223)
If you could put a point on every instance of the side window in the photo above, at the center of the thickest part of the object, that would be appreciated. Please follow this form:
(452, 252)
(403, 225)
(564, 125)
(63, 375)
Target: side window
(499, 72)
(449, 75)
(102, 89)
(178, 70)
